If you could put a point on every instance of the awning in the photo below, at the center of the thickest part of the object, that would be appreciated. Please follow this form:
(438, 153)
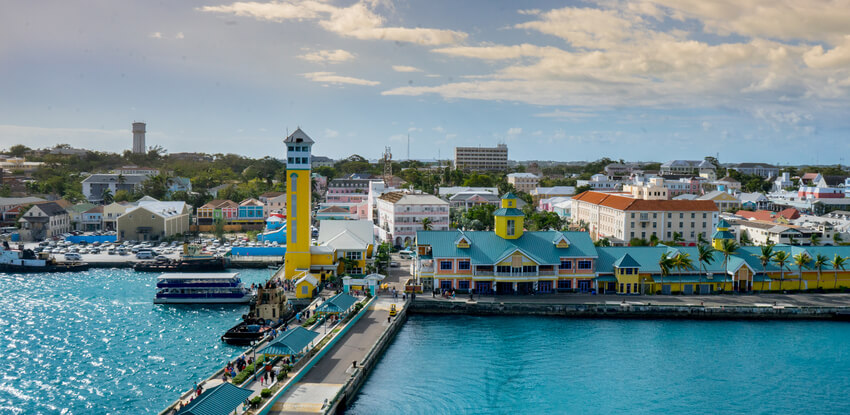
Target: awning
(218, 400)
(337, 304)
(290, 343)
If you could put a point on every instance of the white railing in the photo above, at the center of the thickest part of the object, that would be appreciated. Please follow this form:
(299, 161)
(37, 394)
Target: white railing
(515, 274)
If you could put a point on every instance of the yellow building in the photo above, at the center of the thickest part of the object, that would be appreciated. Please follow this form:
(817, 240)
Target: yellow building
(299, 193)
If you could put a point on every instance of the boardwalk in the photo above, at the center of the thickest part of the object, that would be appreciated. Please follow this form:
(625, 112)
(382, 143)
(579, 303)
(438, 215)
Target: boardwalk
(325, 379)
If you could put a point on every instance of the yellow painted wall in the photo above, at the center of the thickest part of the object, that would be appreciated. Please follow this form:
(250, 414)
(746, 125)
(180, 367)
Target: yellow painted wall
(501, 226)
(299, 291)
(298, 233)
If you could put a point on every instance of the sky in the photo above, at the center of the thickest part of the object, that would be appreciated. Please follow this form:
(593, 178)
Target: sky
(758, 80)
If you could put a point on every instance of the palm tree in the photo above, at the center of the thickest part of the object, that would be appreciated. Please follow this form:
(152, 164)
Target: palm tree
(603, 242)
(426, 224)
(815, 239)
(791, 240)
(701, 239)
(818, 264)
(682, 261)
(765, 257)
(653, 240)
(745, 239)
(836, 263)
(677, 238)
(781, 258)
(767, 241)
(107, 196)
(801, 260)
(837, 239)
(727, 248)
(665, 263)
(705, 254)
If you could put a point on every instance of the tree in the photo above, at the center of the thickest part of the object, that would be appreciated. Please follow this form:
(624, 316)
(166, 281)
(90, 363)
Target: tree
(705, 254)
(682, 261)
(781, 258)
(745, 239)
(836, 239)
(602, 242)
(218, 227)
(765, 257)
(701, 239)
(582, 189)
(791, 240)
(106, 196)
(677, 238)
(653, 240)
(819, 262)
(814, 239)
(426, 224)
(837, 262)
(727, 248)
(19, 150)
(638, 242)
(122, 196)
(665, 263)
(801, 260)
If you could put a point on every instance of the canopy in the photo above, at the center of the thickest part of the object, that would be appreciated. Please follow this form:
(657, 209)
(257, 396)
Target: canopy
(337, 304)
(291, 343)
(218, 400)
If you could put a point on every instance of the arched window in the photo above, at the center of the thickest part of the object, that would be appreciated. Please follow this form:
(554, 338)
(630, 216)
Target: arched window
(293, 178)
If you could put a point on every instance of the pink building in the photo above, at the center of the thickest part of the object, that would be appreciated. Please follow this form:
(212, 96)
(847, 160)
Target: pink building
(400, 215)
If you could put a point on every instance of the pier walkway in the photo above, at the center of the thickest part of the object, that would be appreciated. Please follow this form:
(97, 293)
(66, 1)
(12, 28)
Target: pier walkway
(325, 380)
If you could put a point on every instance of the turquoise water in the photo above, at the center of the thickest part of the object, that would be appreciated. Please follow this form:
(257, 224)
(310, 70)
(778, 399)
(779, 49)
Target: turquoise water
(537, 365)
(94, 343)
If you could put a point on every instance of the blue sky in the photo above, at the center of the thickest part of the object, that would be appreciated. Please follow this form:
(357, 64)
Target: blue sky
(642, 80)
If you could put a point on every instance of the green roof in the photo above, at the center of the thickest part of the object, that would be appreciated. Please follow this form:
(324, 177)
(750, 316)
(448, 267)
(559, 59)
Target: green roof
(722, 224)
(508, 212)
(218, 400)
(291, 342)
(337, 304)
(509, 195)
(626, 261)
(722, 235)
(487, 248)
(81, 207)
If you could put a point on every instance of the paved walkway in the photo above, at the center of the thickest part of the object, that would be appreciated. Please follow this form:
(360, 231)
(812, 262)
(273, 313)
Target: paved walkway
(325, 379)
(787, 300)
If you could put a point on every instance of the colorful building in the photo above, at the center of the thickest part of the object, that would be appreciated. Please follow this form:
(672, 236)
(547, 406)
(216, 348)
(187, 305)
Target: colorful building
(510, 260)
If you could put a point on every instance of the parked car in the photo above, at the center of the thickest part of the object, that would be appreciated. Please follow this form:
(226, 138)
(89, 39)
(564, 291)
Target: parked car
(111, 251)
(144, 254)
(72, 256)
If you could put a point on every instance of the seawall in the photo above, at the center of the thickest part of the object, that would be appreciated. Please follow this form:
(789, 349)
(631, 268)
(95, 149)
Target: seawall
(631, 311)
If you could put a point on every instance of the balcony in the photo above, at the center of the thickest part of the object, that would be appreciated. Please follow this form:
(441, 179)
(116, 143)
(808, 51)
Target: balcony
(516, 274)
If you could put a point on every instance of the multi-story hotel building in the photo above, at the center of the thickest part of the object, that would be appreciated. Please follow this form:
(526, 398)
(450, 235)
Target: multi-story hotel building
(482, 158)
(400, 215)
(524, 182)
(621, 217)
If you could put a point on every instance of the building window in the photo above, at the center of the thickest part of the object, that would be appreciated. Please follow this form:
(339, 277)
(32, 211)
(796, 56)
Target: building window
(446, 265)
(565, 284)
(293, 233)
(669, 224)
(294, 180)
(463, 285)
(566, 264)
(463, 265)
(529, 268)
(503, 268)
(293, 206)
(511, 227)
(585, 264)
(356, 256)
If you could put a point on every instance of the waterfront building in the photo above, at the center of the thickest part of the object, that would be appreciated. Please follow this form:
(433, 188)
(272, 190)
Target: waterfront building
(784, 216)
(523, 182)
(299, 195)
(400, 215)
(75, 213)
(226, 210)
(92, 219)
(44, 221)
(250, 212)
(348, 192)
(111, 212)
(482, 158)
(619, 217)
(10, 207)
(510, 260)
(274, 202)
(152, 220)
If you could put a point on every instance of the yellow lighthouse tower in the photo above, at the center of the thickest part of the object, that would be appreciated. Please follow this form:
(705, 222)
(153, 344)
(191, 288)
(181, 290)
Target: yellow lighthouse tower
(298, 198)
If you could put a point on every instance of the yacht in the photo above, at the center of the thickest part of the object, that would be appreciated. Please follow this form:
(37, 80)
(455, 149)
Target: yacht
(198, 288)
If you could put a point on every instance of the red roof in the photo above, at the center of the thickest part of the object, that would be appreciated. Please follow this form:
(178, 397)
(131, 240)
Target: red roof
(769, 216)
(620, 202)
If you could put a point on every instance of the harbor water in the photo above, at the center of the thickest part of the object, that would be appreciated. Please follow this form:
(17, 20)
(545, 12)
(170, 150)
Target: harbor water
(537, 365)
(94, 343)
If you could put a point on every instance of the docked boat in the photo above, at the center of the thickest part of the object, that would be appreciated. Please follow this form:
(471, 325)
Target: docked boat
(26, 260)
(191, 260)
(197, 288)
(269, 310)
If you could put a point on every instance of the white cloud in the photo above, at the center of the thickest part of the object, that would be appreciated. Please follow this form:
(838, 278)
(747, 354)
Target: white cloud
(327, 56)
(179, 35)
(333, 78)
(514, 131)
(439, 129)
(706, 126)
(357, 21)
(837, 57)
(155, 35)
(331, 133)
(403, 68)
(565, 114)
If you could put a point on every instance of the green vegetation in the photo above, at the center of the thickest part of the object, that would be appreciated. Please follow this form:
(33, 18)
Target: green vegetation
(310, 321)
(266, 393)
(248, 372)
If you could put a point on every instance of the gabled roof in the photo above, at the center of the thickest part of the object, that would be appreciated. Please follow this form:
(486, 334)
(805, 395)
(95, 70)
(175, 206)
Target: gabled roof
(251, 202)
(626, 261)
(291, 342)
(299, 136)
(337, 304)
(622, 202)
(346, 234)
(52, 209)
(334, 209)
(487, 247)
(222, 399)
(219, 204)
(508, 212)
(509, 195)
(80, 207)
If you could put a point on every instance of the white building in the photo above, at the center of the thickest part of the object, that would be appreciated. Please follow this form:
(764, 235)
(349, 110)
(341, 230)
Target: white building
(523, 182)
(482, 158)
(599, 182)
(45, 220)
(95, 185)
(400, 215)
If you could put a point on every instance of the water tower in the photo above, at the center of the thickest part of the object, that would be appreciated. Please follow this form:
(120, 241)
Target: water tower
(139, 137)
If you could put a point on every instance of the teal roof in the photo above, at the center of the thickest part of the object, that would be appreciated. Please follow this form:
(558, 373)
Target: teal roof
(722, 224)
(218, 400)
(648, 257)
(487, 248)
(508, 212)
(626, 261)
(509, 195)
(722, 235)
(291, 342)
(337, 304)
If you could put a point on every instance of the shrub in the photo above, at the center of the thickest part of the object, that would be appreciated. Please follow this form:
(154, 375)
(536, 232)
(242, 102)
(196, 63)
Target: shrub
(265, 393)
(249, 370)
(256, 401)
(283, 374)
(310, 321)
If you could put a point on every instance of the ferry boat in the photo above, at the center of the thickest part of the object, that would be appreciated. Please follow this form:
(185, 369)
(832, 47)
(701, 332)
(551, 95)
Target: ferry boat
(26, 260)
(193, 288)
(190, 261)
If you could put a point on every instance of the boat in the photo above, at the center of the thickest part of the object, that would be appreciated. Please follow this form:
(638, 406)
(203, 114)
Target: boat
(191, 260)
(26, 260)
(269, 310)
(200, 288)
